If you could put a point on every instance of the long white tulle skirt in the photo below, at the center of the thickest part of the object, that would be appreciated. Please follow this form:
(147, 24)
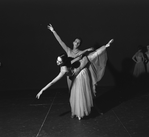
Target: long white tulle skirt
(81, 98)
(139, 69)
(83, 86)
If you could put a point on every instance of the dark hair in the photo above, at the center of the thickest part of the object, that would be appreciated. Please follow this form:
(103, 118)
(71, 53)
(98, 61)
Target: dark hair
(65, 59)
(142, 48)
(79, 39)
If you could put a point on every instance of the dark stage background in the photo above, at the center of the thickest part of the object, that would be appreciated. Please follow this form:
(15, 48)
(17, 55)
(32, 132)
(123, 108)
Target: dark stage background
(28, 50)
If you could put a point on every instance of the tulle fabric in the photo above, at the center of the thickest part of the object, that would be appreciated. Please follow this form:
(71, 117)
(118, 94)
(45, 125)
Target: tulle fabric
(97, 67)
(81, 97)
(139, 68)
(83, 86)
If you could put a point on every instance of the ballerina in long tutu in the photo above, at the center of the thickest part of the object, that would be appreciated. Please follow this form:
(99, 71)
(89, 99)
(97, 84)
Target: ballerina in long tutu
(84, 78)
(83, 85)
(139, 67)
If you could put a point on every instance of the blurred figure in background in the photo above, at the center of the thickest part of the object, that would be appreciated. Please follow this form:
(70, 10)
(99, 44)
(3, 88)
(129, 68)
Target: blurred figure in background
(147, 59)
(139, 67)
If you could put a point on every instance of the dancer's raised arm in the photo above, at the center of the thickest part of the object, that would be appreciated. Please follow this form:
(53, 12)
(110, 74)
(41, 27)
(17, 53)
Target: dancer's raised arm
(67, 49)
(57, 78)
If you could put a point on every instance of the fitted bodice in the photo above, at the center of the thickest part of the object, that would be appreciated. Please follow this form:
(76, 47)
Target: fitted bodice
(139, 59)
(74, 53)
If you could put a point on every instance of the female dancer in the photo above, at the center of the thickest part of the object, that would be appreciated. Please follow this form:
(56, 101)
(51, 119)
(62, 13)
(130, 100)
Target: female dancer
(76, 44)
(84, 77)
(139, 67)
(73, 53)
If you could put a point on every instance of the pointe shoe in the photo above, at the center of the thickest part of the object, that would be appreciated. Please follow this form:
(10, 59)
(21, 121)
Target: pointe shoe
(79, 118)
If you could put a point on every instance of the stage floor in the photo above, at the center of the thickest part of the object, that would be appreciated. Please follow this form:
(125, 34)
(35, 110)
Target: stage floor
(125, 114)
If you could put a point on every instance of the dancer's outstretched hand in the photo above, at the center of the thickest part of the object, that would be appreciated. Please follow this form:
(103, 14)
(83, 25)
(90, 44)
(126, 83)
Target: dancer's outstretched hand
(39, 94)
(108, 44)
(50, 27)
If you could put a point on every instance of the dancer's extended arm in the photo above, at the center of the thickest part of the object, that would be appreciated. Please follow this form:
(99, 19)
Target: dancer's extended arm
(67, 49)
(134, 58)
(57, 78)
(77, 58)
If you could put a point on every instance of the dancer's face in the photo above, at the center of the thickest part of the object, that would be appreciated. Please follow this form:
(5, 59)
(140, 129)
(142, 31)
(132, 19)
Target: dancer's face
(59, 61)
(76, 43)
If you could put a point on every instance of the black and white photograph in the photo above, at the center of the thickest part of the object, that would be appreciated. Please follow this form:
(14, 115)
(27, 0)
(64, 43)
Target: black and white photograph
(74, 68)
